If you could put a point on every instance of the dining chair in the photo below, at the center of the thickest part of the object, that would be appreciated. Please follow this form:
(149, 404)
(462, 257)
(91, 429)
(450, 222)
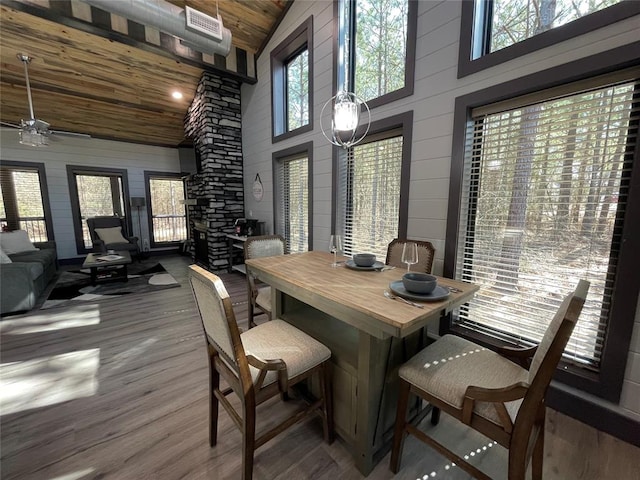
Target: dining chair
(258, 364)
(425, 254)
(488, 392)
(259, 300)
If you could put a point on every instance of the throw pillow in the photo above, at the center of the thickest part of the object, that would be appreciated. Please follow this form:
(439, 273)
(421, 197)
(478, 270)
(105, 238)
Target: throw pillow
(111, 235)
(15, 242)
(4, 258)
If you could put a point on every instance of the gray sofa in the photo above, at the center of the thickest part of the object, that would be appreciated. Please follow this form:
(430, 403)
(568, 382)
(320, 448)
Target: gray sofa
(24, 280)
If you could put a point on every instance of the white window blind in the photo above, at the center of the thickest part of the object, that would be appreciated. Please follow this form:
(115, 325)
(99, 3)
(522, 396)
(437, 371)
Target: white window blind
(292, 221)
(369, 200)
(543, 205)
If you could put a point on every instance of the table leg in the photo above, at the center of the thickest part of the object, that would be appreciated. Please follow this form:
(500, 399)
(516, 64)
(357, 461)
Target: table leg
(94, 276)
(126, 275)
(372, 363)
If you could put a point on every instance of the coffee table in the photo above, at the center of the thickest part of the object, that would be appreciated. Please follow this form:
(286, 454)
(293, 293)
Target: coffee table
(106, 267)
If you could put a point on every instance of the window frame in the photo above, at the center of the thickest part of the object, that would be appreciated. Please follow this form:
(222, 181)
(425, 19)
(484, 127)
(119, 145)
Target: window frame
(402, 122)
(148, 176)
(299, 40)
(410, 58)
(607, 383)
(304, 149)
(44, 190)
(467, 65)
(72, 171)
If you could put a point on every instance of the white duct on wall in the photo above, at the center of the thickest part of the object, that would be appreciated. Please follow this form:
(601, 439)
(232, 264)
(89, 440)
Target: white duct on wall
(167, 18)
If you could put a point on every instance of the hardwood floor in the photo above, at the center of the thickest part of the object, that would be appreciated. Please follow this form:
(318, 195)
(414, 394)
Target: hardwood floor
(118, 390)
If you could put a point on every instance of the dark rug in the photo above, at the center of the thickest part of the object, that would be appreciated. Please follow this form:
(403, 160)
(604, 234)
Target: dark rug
(74, 286)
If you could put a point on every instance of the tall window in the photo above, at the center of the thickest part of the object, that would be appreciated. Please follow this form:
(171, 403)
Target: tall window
(298, 91)
(292, 83)
(495, 31)
(23, 204)
(96, 192)
(292, 201)
(168, 216)
(544, 199)
(377, 38)
(373, 184)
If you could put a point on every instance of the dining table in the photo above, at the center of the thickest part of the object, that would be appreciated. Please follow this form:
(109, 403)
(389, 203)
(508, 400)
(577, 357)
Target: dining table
(369, 334)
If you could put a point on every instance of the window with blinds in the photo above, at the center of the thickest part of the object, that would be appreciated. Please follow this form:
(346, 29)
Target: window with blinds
(543, 206)
(292, 216)
(369, 200)
(22, 202)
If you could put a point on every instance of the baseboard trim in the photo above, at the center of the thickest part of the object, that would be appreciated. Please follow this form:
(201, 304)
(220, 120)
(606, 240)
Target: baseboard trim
(594, 411)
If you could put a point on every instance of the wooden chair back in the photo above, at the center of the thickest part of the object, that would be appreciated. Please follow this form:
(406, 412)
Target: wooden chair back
(257, 247)
(425, 254)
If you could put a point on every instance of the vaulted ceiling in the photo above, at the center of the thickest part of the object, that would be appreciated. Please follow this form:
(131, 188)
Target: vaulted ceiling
(87, 81)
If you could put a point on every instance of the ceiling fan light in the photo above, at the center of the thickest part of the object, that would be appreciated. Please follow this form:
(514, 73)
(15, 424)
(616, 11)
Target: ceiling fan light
(33, 138)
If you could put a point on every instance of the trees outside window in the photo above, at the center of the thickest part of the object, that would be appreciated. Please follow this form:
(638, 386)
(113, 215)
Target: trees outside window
(372, 186)
(377, 38)
(96, 192)
(25, 204)
(168, 221)
(292, 84)
(496, 31)
(293, 176)
(543, 205)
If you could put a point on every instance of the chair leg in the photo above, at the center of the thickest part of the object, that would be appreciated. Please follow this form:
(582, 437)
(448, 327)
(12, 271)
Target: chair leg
(435, 415)
(538, 455)
(327, 404)
(399, 434)
(250, 313)
(248, 440)
(214, 384)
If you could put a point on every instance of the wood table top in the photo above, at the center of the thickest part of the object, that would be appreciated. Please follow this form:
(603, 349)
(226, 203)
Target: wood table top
(354, 296)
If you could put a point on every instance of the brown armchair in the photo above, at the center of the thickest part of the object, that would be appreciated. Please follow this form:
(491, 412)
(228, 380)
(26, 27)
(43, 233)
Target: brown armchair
(110, 233)
(488, 392)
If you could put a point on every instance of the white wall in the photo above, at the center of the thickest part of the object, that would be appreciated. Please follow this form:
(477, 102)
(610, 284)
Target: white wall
(88, 152)
(436, 88)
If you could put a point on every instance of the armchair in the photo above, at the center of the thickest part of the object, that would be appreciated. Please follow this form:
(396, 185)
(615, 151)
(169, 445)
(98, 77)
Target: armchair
(109, 233)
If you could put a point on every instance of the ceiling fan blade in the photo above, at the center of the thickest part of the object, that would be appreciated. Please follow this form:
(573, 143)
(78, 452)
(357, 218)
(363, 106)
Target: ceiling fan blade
(61, 133)
(7, 124)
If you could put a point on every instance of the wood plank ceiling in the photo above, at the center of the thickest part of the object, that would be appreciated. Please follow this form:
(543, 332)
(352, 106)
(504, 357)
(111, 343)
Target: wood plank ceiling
(90, 84)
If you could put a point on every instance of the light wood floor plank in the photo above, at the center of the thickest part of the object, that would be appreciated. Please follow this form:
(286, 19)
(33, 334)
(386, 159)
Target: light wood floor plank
(118, 390)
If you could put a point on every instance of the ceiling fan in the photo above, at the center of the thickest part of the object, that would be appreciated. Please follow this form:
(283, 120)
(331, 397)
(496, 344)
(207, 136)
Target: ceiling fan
(35, 132)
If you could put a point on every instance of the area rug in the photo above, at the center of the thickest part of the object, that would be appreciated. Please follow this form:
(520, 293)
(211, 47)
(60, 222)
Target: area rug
(74, 286)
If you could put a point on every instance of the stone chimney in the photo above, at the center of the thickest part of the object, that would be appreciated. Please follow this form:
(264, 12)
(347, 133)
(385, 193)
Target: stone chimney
(214, 122)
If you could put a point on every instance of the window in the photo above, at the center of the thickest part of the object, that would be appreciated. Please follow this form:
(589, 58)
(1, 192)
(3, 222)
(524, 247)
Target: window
(96, 192)
(373, 183)
(544, 201)
(25, 202)
(292, 83)
(377, 38)
(298, 91)
(293, 201)
(495, 31)
(168, 220)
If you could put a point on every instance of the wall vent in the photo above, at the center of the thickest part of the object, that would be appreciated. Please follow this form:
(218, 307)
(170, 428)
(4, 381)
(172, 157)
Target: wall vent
(204, 23)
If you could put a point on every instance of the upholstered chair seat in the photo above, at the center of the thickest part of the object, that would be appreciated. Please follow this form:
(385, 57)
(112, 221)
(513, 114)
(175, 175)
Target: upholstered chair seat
(278, 339)
(452, 363)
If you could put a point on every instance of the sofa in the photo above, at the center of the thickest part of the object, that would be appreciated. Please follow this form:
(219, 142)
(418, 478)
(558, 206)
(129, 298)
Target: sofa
(24, 279)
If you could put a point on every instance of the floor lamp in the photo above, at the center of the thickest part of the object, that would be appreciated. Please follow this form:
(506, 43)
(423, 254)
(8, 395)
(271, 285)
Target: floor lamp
(138, 203)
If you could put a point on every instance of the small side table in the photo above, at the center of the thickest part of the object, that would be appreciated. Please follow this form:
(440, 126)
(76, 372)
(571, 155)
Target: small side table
(104, 269)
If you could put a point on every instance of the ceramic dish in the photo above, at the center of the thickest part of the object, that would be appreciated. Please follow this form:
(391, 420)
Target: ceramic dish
(376, 266)
(439, 293)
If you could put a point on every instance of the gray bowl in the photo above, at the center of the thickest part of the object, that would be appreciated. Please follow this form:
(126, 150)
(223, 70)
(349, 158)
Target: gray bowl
(419, 282)
(364, 259)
